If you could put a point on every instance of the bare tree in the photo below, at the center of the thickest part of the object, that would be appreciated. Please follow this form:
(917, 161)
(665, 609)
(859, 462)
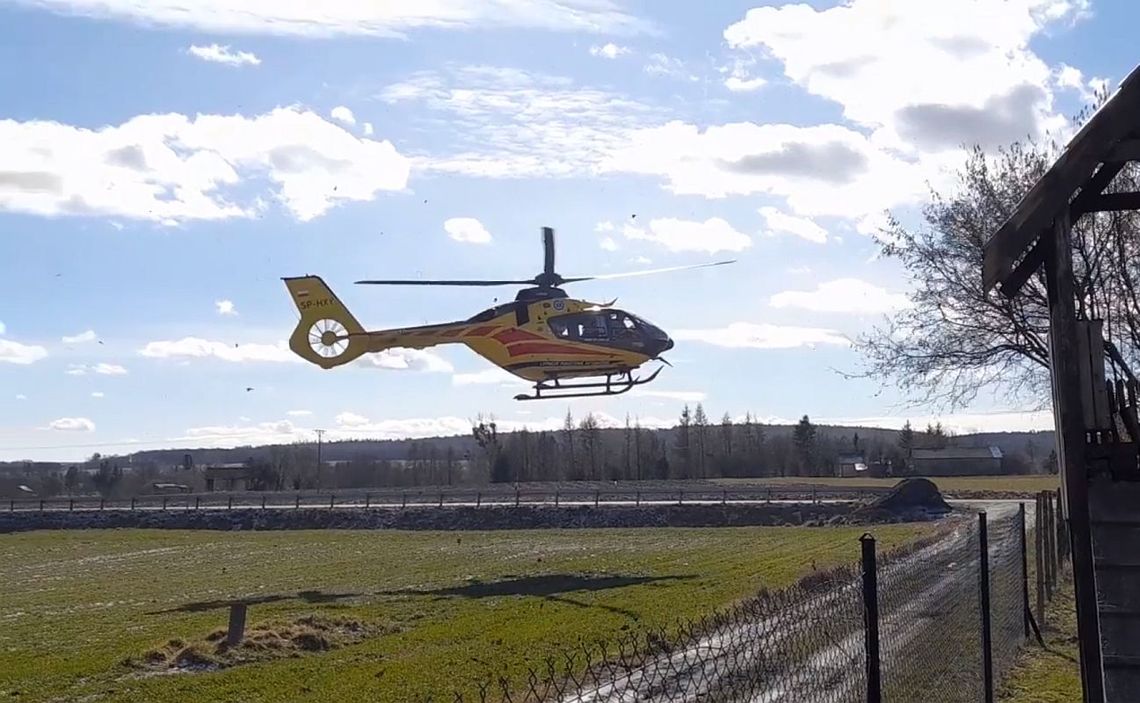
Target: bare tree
(954, 340)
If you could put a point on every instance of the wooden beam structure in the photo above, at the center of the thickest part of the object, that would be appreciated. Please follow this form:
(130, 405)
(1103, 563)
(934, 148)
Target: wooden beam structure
(1099, 469)
(1093, 145)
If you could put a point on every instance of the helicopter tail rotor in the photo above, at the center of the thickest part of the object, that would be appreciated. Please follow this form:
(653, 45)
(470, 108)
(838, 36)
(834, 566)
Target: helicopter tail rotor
(327, 334)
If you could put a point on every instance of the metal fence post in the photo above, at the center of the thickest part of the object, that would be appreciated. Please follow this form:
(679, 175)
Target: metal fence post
(132, 502)
(196, 502)
(987, 643)
(1024, 568)
(871, 620)
(332, 501)
(263, 501)
(230, 503)
(1047, 499)
(1039, 558)
(297, 502)
(597, 496)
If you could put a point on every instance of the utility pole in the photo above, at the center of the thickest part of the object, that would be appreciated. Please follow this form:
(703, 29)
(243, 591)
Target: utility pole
(320, 434)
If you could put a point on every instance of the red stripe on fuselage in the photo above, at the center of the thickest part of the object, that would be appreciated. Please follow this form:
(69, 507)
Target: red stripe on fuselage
(512, 334)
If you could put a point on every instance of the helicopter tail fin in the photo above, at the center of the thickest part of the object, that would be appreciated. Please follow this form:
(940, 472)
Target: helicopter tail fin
(327, 334)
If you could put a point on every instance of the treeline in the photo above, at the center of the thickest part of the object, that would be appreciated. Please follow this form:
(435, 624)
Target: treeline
(695, 448)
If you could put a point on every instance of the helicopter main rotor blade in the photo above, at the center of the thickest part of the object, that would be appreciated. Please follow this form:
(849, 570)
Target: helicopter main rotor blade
(420, 282)
(606, 276)
(548, 250)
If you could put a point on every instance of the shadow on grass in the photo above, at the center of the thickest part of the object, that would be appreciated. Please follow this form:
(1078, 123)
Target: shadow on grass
(551, 587)
(312, 597)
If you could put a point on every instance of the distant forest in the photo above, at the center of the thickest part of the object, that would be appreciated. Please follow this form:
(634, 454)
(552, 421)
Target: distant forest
(696, 447)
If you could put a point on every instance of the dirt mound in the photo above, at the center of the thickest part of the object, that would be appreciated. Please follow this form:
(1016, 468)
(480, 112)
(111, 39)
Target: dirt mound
(267, 641)
(911, 500)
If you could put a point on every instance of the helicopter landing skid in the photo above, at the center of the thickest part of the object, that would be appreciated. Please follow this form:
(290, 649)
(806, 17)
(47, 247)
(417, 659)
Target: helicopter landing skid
(615, 384)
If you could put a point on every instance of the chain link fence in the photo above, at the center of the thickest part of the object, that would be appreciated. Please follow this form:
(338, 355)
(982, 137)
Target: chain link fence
(907, 626)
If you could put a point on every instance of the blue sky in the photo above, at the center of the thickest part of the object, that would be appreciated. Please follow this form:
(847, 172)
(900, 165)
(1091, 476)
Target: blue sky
(163, 164)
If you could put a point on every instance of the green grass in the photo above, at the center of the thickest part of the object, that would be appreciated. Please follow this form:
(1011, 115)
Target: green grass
(1052, 675)
(77, 603)
(1019, 484)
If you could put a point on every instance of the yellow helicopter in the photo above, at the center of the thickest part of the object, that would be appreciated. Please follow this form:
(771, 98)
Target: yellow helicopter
(542, 336)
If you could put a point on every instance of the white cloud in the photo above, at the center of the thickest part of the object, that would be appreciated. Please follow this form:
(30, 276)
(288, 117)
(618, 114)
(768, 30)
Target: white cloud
(803, 227)
(712, 235)
(609, 51)
(876, 60)
(491, 375)
(849, 295)
(360, 18)
(280, 431)
(23, 354)
(799, 270)
(608, 244)
(367, 129)
(97, 394)
(347, 419)
(225, 307)
(299, 413)
(819, 170)
(407, 360)
(683, 396)
(87, 336)
(959, 423)
(72, 424)
(763, 336)
(663, 65)
(197, 348)
(102, 368)
(1072, 78)
(606, 226)
(405, 428)
(467, 229)
(21, 396)
(224, 55)
(744, 85)
(340, 113)
(642, 260)
(510, 123)
(170, 168)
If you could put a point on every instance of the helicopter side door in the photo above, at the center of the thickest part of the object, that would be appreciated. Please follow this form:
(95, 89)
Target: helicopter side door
(609, 327)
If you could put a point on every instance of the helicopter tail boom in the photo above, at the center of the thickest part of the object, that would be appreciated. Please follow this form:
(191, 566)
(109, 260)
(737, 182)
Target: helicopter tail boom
(327, 334)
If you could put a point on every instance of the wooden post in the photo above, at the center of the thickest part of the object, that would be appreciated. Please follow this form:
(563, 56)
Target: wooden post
(1069, 420)
(236, 631)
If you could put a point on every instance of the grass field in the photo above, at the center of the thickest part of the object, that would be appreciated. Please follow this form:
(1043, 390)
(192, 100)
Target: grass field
(1052, 675)
(1018, 484)
(455, 605)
